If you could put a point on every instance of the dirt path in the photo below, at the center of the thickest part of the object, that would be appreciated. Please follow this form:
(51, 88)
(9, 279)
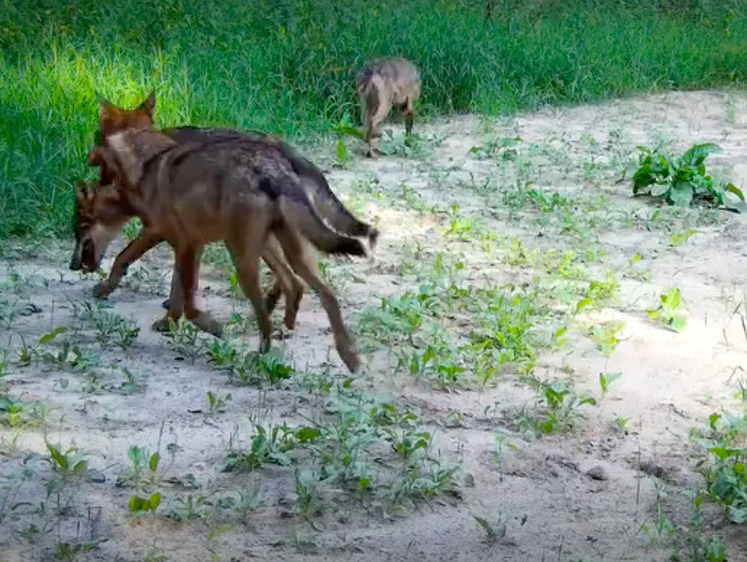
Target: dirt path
(492, 231)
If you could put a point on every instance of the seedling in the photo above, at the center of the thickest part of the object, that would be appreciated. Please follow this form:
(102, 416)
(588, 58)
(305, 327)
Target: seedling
(140, 506)
(144, 468)
(216, 403)
(678, 238)
(667, 312)
(605, 336)
(606, 379)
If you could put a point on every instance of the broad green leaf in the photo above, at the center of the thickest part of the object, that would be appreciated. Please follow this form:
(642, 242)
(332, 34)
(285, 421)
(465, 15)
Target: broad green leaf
(697, 153)
(154, 500)
(737, 515)
(137, 504)
(681, 194)
(677, 323)
(153, 462)
(737, 206)
(583, 303)
(731, 188)
(307, 434)
(341, 151)
(660, 189)
(80, 468)
(53, 334)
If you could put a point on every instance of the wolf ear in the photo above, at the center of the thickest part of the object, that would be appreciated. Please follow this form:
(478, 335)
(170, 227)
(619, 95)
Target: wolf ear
(149, 103)
(105, 110)
(83, 191)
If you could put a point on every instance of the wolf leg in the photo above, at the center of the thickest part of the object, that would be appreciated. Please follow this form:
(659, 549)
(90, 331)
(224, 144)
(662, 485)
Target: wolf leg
(134, 251)
(300, 254)
(408, 116)
(246, 253)
(286, 282)
(187, 265)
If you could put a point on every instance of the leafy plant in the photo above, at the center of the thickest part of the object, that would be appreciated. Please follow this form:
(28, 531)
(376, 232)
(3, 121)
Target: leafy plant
(267, 446)
(139, 506)
(557, 407)
(723, 467)
(144, 467)
(216, 403)
(605, 336)
(682, 181)
(667, 311)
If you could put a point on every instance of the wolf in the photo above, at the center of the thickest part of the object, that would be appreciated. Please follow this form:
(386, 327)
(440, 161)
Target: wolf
(192, 194)
(100, 214)
(382, 84)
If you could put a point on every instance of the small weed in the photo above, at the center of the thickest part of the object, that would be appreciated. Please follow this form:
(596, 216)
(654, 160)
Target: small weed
(723, 466)
(243, 502)
(143, 470)
(267, 446)
(621, 423)
(67, 551)
(668, 311)
(557, 408)
(108, 326)
(185, 340)
(188, 509)
(307, 494)
(605, 336)
(606, 379)
(678, 238)
(68, 467)
(141, 506)
(133, 382)
(216, 403)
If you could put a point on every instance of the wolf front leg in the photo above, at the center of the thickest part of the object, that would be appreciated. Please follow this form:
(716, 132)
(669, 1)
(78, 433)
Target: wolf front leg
(145, 240)
(187, 263)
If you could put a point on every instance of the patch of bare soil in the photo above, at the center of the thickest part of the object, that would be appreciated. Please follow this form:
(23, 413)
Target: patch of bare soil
(535, 207)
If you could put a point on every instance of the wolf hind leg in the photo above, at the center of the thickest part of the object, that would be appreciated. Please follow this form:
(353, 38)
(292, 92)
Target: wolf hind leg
(286, 282)
(300, 254)
(246, 253)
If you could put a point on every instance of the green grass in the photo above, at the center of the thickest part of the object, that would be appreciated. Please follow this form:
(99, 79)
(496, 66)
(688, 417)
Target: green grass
(288, 68)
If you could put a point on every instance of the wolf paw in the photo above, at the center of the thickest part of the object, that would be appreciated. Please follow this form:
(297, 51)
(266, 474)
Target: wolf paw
(206, 323)
(101, 290)
(161, 325)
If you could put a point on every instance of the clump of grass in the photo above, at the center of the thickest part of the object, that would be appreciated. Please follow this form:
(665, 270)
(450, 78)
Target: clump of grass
(289, 68)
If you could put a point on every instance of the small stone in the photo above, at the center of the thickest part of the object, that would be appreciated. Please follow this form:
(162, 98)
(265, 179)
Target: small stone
(597, 473)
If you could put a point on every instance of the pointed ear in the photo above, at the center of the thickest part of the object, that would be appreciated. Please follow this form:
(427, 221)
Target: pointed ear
(82, 191)
(149, 104)
(105, 110)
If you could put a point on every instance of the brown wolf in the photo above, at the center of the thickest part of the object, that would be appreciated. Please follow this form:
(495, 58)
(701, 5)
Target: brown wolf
(101, 214)
(381, 85)
(195, 193)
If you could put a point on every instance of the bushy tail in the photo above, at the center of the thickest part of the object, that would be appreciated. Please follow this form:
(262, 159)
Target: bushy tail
(299, 212)
(334, 211)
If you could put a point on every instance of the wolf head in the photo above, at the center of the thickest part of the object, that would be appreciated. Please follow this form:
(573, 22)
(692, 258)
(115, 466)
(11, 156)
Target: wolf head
(113, 119)
(100, 215)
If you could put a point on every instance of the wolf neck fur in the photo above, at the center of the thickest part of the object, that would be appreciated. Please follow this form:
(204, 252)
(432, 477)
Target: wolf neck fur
(135, 150)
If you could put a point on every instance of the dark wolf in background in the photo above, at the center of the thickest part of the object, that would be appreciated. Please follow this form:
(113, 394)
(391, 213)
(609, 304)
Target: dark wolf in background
(381, 85)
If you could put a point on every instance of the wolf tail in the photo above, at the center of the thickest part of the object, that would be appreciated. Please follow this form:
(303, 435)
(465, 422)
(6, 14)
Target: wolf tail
(328, 205)
(298, 211)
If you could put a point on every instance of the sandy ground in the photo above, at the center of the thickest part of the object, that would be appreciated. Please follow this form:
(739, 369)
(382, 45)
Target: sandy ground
(594, 492)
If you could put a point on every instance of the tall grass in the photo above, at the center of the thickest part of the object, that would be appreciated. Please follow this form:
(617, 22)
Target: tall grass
(287, 67)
